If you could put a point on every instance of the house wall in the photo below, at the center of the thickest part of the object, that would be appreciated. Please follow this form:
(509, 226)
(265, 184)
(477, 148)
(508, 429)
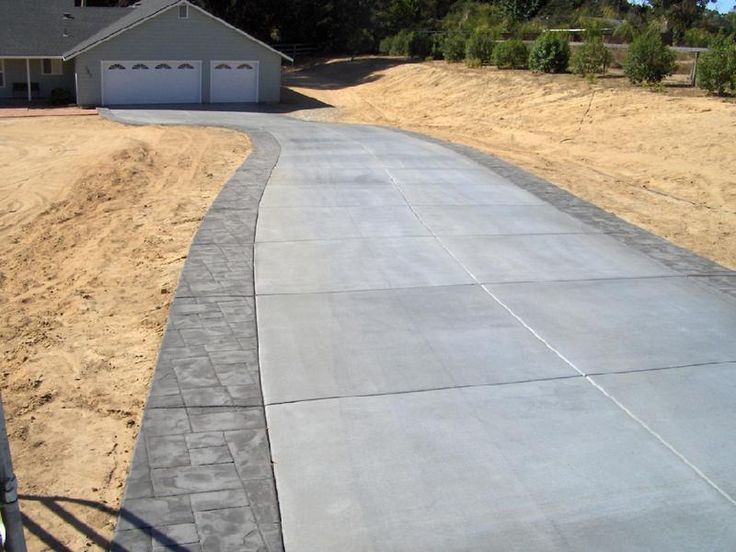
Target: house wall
(166, 37)
(15, 71)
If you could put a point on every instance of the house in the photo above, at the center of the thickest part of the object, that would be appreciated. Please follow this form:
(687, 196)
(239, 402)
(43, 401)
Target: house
(155, 52)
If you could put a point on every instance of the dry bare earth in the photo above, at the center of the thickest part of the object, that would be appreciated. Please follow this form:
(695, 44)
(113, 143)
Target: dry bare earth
(95, 223)
(664, 161)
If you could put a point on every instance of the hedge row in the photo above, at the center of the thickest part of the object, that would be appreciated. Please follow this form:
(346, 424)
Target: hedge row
(647, 60)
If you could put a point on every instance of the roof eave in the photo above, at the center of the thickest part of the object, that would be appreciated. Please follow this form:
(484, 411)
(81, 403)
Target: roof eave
(71, 54)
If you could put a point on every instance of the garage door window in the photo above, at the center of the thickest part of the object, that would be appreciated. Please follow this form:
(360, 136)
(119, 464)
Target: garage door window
(163, 66)
(245, 66)
(117, 67)
(140, 66)
(186, 66)
(222, 66)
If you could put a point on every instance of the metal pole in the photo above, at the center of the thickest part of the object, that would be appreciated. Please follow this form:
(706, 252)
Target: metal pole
(28, 80)
(15, 541)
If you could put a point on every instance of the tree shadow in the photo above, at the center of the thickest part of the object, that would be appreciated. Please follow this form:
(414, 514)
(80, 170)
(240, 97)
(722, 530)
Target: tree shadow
(55, 505)
(334, 75)
(291, 100)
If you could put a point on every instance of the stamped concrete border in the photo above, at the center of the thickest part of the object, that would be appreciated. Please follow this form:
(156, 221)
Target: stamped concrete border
(681, 260)
(201, 477)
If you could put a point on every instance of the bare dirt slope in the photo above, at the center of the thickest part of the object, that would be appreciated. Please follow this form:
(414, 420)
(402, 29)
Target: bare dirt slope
(665, 161)
(95, 223)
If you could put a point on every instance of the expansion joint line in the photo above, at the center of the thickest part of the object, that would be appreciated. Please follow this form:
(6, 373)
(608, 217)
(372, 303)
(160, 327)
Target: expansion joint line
(562, 357)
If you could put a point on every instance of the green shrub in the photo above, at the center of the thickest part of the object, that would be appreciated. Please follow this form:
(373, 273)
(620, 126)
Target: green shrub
(386, 44)
(400, 43)
(529, 30)
(61, 96)
(648, 60)
(511, 54)
(453, 47)
(698, 38)
(479, 46)
(550, 53)
(419, 45)
(626, 32)
(591, 58)
(717, 68)
(437, 43)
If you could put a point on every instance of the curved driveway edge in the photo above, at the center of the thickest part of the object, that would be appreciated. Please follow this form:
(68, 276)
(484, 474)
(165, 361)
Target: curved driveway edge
(673, 256)
(201, 475)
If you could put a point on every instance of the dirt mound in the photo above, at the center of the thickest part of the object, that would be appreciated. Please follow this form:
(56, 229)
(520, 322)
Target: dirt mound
(663, 161)
(89, 258)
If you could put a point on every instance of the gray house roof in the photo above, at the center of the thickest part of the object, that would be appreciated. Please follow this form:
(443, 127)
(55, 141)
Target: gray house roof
(140, 12)
(55, 28)
(40, 28)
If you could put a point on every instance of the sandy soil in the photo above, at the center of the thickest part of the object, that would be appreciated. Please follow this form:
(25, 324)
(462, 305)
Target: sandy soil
(665, 161)
(95, 223)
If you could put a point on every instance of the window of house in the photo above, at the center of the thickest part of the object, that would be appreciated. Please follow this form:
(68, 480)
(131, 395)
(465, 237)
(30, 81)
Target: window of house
(51, 67)
(2, 73)
(183, 11)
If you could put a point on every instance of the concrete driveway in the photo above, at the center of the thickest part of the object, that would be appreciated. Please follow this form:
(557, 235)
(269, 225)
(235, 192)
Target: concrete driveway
(450, 362)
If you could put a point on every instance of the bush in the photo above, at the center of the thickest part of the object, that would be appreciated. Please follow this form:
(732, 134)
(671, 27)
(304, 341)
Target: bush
(717, 68)
(453, 47)
(591, 58)
(400, 44)
(529, 30)
(511, 54)
(61, 96)
(419, 45)
(386, 44)
(698, 38)
(437, 43)
(479, 46)
(550, 53)
(648, 59)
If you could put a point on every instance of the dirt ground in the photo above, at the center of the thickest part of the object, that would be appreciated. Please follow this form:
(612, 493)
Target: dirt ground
(665, 161)
(95, 223)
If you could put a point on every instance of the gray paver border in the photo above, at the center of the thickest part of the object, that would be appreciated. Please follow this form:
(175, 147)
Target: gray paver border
(685, 262)
(201, 477)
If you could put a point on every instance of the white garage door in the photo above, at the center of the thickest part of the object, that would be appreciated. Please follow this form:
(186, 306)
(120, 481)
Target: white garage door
(151, 82)
(233, 81)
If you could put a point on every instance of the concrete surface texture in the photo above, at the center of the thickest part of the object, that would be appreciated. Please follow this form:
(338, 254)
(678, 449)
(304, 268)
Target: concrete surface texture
(456, 356)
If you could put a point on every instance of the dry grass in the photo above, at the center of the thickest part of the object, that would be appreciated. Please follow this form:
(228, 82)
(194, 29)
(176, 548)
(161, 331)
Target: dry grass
(663, 161)
(95, 223)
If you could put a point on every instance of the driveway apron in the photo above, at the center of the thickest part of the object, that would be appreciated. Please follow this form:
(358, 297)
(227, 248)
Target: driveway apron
(452, 362)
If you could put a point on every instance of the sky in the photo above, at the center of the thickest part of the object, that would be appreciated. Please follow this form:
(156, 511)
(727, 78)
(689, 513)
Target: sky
(723, 6)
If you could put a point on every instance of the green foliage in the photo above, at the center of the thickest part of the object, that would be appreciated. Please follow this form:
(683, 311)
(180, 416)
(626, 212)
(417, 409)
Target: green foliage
(592, 57)
(529, 30)
(697, 37)
(419, 44)
(453, 47)
(717, 68)
(511, 54)
(626, 32)
(384, 47)
(550, 53)
(648, 60)
(521, 10)
(465, 16)
(360, 41)
(61, 96)
(479, 45)
(400, 43)
(438, 41)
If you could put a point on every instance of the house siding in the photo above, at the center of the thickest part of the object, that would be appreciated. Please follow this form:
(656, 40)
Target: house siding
(166, 37)
(15, 71)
